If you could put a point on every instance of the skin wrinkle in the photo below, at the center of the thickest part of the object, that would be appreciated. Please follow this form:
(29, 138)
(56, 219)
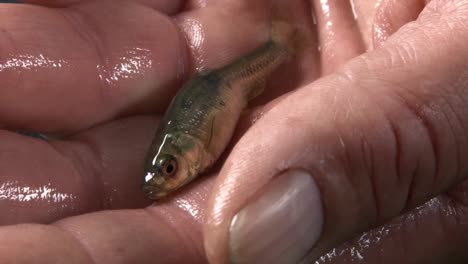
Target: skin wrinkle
(93, 149)
(368, 149)
(106, 67)
(405, 177)
(60, 12)
(170, 212)
(104, 161)
(89, 30)
(414, 110)
(54, 233)
(452, 130)
(170, 223)
(397, 142)
(197, 252)
(79, 244)
(7, 40)
(79, 169)
(144, 226)
(458, 94)
(426, 126)
(93, 173)
(349, 167)
(193, 37)
(226, 198)
(315, 174)
(320, 170)
(379, 207)
(75, 160)
(433, 131)
(187, 63)
(191, 239)
(411, 190)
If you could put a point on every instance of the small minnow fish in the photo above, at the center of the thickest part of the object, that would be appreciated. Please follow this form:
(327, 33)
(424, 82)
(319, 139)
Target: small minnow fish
(201, 118)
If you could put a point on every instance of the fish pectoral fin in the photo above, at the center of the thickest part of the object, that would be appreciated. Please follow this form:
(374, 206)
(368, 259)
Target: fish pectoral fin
(256, 89)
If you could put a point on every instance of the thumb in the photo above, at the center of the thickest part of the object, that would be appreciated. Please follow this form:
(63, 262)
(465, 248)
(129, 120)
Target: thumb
(350, 151)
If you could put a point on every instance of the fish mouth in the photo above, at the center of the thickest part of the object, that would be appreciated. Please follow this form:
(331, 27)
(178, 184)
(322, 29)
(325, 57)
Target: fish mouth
(154, 193)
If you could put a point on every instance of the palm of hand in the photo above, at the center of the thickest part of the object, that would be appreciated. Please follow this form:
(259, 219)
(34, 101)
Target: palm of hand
(103, 74)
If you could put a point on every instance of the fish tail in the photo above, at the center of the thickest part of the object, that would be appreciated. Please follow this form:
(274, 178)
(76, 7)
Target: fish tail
(284, 32)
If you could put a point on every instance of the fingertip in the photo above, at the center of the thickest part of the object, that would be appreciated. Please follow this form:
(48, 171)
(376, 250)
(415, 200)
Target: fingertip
(391, 15)
(339, 35)
(281, 224)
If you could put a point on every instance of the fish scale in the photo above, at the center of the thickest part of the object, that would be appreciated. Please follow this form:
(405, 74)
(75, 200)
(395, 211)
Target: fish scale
(201, 119)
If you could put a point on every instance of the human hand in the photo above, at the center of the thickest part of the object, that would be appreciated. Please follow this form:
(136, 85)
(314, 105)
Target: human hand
(362, 147)
(98, 72)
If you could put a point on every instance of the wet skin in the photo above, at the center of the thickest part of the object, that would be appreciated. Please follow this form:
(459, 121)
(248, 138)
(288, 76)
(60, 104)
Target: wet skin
(106, 97)
(202, 117)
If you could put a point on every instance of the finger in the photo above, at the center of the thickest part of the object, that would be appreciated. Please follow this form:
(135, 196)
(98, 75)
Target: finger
(195, 4)
(100, 169)
(435, 232)
(340, 39)
(55, 3)
(204, 33)
(376, 139)
(114, 73)
(214, 44)
(365, 12)
(391, 15)
(82, 57)
(165, 6)
(169, 233)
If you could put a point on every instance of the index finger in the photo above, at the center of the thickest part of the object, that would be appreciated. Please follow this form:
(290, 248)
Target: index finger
(165, 6)
(65, 69)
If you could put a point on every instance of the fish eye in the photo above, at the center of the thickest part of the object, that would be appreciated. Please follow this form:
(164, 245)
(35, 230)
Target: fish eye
(169, 167)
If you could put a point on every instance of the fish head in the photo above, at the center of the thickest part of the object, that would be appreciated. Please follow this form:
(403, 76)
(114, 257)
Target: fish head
(172, 166)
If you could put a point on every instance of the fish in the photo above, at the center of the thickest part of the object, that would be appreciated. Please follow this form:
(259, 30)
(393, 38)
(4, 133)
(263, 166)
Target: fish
(201, 119)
